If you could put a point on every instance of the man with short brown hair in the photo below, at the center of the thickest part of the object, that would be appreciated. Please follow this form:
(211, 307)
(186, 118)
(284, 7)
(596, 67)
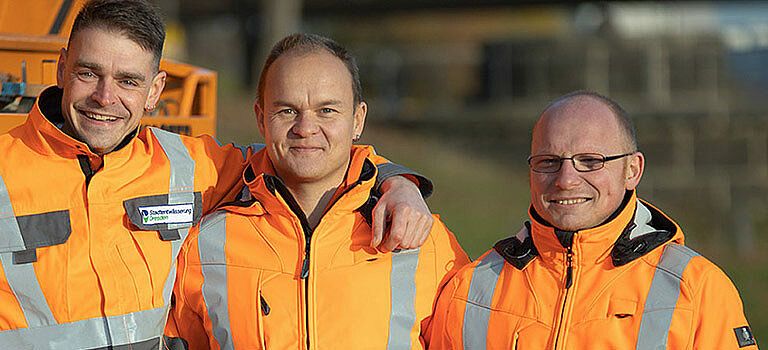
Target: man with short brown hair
(93, 209)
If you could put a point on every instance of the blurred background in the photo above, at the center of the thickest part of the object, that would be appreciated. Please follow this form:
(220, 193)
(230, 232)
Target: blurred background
(454, 88)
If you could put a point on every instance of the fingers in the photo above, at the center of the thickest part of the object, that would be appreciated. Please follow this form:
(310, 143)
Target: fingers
(398, 229)
(379, 224)
(417, 230)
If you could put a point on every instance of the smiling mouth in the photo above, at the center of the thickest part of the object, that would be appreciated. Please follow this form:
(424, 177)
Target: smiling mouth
(98, 117)
(305, 148)
(570, 201)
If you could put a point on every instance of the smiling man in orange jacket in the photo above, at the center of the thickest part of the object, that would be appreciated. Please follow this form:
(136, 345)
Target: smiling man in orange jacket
(596, 267)
(94, 210)
(289, 265)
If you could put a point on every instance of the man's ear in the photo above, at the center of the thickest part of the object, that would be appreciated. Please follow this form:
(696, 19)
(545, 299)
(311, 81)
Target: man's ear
(634, 170)
(360, 113)
(158, 84)
(61, 68)
(259, 118)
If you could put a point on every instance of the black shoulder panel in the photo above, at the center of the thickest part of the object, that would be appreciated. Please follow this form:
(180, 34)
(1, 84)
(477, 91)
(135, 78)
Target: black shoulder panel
(517, 253)
(626, 249)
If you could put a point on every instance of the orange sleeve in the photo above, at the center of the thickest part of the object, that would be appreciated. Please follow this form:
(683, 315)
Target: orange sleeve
(719, 314)
(186, 317)
(450, 257)
(219, 170)
(436, 332)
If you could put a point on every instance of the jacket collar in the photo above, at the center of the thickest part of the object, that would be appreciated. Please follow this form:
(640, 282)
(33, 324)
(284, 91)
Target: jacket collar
(267, 189)
(590, 244)
(632, 231)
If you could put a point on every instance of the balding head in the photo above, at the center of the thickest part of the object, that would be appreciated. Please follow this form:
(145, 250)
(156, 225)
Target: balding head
(621, 116)
(578, 124)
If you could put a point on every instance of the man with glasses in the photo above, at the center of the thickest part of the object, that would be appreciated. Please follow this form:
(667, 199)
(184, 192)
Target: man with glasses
(595, 267)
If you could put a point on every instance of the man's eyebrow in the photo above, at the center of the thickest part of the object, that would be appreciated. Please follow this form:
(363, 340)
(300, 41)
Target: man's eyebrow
(89, 65)
(279, 103)
(331, 102)
(121, 74)
(131, 75)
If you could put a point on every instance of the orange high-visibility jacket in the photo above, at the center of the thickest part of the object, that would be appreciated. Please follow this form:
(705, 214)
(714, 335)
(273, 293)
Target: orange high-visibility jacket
(627, 284)
(88, 243)
(256, 276)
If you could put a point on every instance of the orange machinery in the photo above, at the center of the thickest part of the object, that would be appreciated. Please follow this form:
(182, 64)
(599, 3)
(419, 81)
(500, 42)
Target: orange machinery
(32, 33)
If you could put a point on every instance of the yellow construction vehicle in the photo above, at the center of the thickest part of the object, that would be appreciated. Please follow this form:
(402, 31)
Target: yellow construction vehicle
(32, 33)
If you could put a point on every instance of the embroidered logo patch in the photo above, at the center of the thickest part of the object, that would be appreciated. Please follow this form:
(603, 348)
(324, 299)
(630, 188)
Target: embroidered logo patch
(166, 214)
(744, 336)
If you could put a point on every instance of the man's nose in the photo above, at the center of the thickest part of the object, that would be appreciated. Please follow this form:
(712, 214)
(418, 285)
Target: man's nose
(105, 93)
(306, 124)
(567, 176)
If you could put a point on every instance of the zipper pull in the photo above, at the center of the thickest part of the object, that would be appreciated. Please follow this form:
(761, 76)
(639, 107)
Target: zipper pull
(305, 268)
(264, 306)
(569, 269)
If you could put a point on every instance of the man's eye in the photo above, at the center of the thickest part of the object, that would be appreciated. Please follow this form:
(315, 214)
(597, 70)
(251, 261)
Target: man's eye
(327, 110)
(547, 162)
(590, 161)
(129, 82)
(86, 75)
(286, 111)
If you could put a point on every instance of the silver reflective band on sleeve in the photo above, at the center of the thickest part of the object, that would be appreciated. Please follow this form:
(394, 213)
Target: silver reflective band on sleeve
(21, 278)
(478, 311)
(212, 245)
(92, 333)
(662, 297)
(403, 307)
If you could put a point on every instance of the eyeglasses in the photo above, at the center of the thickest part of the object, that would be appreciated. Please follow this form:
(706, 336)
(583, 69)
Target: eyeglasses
(582, 162)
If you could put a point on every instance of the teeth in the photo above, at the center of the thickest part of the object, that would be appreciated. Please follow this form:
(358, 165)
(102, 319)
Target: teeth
(571, 201)
(100, 117)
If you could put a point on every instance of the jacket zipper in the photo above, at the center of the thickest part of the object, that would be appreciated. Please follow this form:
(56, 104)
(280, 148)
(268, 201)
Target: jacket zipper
(568, 284)
(296, 209)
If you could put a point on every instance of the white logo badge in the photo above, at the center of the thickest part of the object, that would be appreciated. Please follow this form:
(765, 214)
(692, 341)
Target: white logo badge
(166, 214)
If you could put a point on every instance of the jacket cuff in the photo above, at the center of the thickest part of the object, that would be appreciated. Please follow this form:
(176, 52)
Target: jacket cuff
(387, 170)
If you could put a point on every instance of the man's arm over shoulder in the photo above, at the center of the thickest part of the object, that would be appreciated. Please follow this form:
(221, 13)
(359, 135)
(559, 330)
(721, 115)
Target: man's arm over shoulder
(219, 169)
(401, 203)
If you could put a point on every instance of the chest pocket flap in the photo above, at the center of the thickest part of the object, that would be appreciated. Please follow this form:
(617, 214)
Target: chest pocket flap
(22, 234)
(155, 213)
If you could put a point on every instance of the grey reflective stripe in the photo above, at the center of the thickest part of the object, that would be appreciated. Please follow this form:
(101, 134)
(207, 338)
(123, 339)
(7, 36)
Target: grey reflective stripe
(254, 146)
(182, 182)
(25, 286)
(387, 170)
(21, 277)
(212, 243)
(403, 307)
(180, 191)
(10, 239)
(175, 247)
(662, 297)
(478, 311)
(92, 333)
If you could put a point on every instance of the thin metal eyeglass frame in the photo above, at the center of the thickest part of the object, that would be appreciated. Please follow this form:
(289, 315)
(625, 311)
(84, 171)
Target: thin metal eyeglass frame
(573, 163)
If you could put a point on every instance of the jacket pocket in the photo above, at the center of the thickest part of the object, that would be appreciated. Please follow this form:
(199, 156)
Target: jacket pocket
(35, 231)
(155, 213)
